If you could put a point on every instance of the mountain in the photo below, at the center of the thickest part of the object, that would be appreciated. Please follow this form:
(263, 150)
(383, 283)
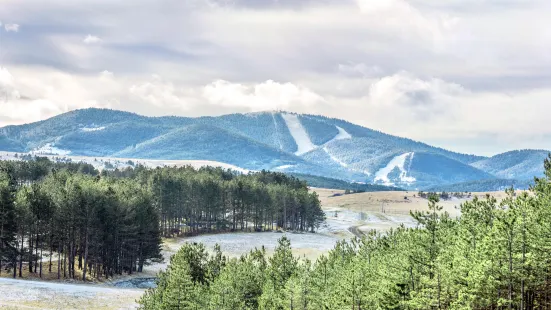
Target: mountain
(280, 141)
(200, 141)
(520, 165)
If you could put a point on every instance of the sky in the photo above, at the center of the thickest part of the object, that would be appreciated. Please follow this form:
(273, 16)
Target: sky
(472, 76)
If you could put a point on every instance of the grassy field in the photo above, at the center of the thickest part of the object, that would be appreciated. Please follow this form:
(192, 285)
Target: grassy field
(382, 210)
(389, 202)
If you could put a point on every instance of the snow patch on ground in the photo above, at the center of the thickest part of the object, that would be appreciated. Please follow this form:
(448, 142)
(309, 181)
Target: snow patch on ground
(121, 163)
(88, 129)
(298, 132)
(49, 149)
(338, 221)
(284, 167)
(236, 244)
(51, 295)
(397, 162)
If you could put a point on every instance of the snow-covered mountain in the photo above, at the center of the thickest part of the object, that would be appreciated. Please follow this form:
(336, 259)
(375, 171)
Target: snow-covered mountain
(279, 141)
(522, 164)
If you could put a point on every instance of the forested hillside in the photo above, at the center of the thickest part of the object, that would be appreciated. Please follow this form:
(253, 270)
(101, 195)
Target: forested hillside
(484, 186)
(323, 182)
(275, 141)
(494, 256)
(79, 223)
(520, 165)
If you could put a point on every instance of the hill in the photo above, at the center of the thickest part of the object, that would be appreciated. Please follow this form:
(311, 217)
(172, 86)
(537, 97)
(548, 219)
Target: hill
(280, 141)
(522, 164)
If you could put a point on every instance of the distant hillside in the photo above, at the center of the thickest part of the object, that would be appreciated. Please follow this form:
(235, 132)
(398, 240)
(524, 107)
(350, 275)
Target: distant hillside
(523, 164)
(483, 186)
(212, 143)
(279, 141)
(323, 182)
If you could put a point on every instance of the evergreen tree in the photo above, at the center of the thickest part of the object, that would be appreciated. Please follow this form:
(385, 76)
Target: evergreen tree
(8, 224)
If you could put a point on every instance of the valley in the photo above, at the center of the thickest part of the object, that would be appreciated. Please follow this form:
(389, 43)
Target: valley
(346, 215)
(378, 177)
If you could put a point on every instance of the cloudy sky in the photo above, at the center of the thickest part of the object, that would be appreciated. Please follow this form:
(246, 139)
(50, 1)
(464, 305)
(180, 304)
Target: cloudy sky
(469, 75)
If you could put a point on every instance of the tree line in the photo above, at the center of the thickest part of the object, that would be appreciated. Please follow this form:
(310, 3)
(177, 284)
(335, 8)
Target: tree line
(445, 195)
(76, 222)
(496, 255)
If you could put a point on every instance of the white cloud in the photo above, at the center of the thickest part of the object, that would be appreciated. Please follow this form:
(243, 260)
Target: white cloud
(90, 39)
(406, 90)
(360, 69)
(105, 74)
(430, 70)
(427, 109)
(31, 95)
(449, 115)
(7, 88)
(159, 93)
(268, 95)
(11, 27)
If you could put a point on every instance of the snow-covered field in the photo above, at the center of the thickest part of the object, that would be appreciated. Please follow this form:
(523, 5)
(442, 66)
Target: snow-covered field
(121, 163)
(235, 244)
(22, 294)
(49, 148)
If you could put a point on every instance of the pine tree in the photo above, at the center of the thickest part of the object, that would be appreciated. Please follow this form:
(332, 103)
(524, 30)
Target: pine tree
(8, 225)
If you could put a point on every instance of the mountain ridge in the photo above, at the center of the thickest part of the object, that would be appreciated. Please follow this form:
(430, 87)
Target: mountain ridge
(271, 140)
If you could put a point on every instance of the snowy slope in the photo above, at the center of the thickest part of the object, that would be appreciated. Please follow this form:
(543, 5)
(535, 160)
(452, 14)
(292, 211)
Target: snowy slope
(399, 163)
(298, 132)
(342, 135)
(293, 143)
(49, 149)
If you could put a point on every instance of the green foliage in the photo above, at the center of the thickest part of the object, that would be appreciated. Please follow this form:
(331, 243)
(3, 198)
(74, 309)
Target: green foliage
(108, 224)
(494, 256)
(8, 226)
(323, 182)
(484, 185)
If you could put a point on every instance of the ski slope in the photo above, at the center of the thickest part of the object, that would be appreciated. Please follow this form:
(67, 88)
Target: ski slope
(299, 134)
(342, 135)
(397, 162)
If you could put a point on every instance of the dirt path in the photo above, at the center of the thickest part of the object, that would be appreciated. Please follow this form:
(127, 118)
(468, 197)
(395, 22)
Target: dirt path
(355, 231)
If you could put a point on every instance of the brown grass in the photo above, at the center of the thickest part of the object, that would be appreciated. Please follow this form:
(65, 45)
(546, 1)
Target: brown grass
(388, 202)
